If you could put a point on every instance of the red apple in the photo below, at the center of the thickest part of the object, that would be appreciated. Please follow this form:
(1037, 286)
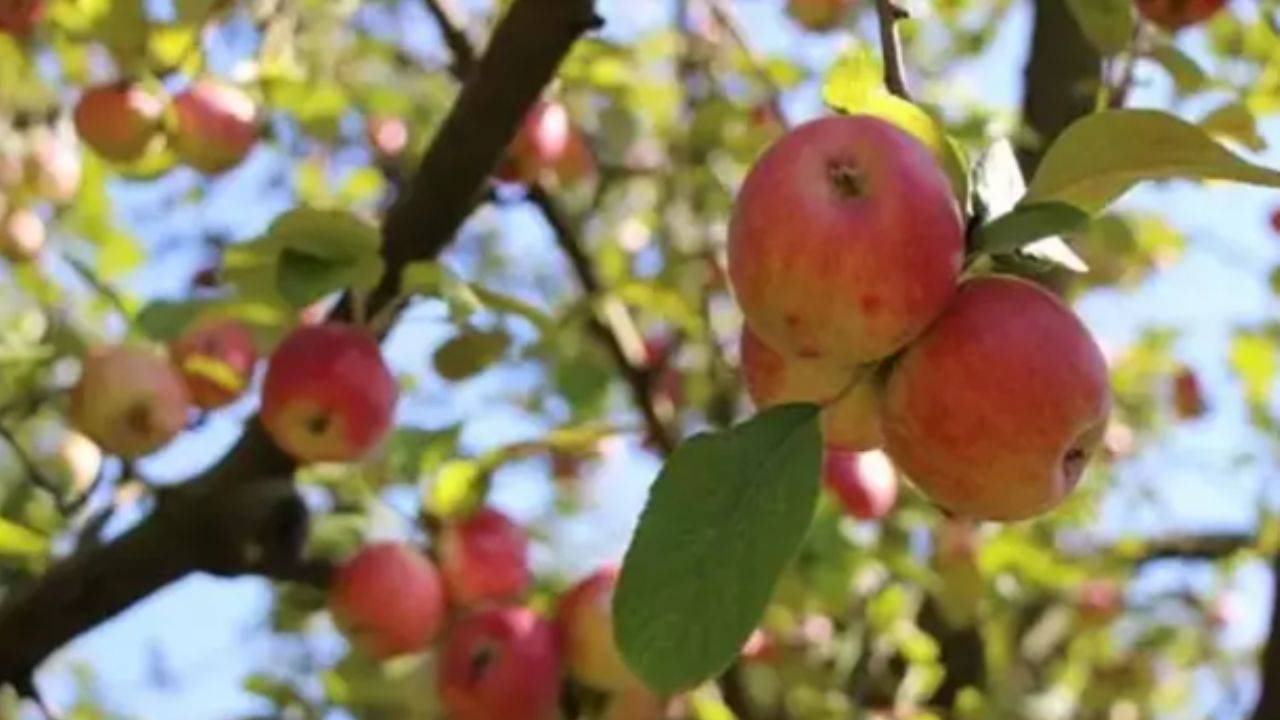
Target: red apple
(541, 142)
(484, 558)
(19, 17)
(996, 410)
(1275, 220)
(864, 483)
(22, 235)
(215, 126)
(845, 242)
(129, 400)
(1188, 395)
(388, 599)
(327, 395)
(216, 359)
(387, 135)
(818, 15)
(850, 418)
(577, 162)
(636, 703)
(500, 664)
(585, 618)
(760, 647)
(1100, 601)
(119, 121)
(1174, 15)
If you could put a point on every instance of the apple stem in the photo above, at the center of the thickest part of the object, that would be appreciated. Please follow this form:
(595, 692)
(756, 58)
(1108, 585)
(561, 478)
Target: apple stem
(895, 74)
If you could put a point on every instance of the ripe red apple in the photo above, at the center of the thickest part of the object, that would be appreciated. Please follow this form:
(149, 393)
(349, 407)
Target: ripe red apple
(388, 599)
(541, 142)
(387, 135)
(585, 619)
(216, 126)
(327, 395)
(818, 15)
(1174, 15)
(129, 400)
(484, 557)
(216, 359)
(19, 17)
(119, 121)
(865, 483)
(1100, 601)
(1188, 395)
(845, 241)
(500, 663)
(996, 410)
(22, 235)
(851, 422)
(53, 166)
(577, 162)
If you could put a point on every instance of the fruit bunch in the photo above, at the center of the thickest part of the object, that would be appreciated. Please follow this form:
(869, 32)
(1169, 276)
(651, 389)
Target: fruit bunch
(845, 253)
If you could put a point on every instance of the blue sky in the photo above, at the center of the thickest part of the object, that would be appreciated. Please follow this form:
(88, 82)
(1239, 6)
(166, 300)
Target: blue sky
(201, 636)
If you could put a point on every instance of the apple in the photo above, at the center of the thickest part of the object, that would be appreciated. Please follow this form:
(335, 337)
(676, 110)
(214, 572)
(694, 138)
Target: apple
(129, 400)
(1275, 220)
(118, 121)
(216, 359)
(818, 15)
(1174, 15)
(215, 126)
(53, 167)
(66, 456)
(578, 161)
(387, 135)
(1099, 601)
(635, 703)
(500, 663)
(540, 143)
(585, 619)
(850, 418)
(328, 395)
(1188, 395)
(845, 242)
(388, 599)
(760, 647)
(19, 17)
(22, 235)
(996, 410)
(864, 483)
(484, 558)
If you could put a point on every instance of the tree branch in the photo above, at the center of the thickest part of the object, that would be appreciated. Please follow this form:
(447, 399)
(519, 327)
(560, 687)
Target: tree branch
(243, 516)
(1268, 707)
(448, 18)
(888, 13)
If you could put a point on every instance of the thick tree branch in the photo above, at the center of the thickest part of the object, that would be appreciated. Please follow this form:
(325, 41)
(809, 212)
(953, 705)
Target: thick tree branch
(243, 516)
(1268, 707)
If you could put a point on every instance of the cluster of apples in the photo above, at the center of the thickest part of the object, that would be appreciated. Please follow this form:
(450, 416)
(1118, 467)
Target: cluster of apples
(39, 167)
(845, 252)
(497, 657)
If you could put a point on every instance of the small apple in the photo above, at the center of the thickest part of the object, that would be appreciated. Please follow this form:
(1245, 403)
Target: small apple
(845, 241)
(388, 599)
(851, 422)
(864, 483)
(22, 235)
(540, 143)
(216, 359)
(19, 17)
(996, 410)
(1174, 15)
(1188, 395)
(328, 395)
(578, 161)
(129, 400)
(760, 647)
(636, 703)
(387, 135)
(1275, 220)
(53, 167)
(1099, 601)
(818, 15)
(585, 619)
(66, 456)
(118, 121)
(484, 558)
(1222, 610)
(500, 664)
(215, 126)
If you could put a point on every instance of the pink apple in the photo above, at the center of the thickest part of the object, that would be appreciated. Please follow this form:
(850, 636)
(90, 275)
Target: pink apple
(500, 664)
(845, 241)
(216, 126)
(585, 618)
(328, 395)
(388, 599)
(996, 410)
(129, 400)
(541, 142)
(387, 135)
(119, 121)
(22, 235)
(484, 558)
(865, 483)
(53, 167)
(216, 359)
(1100, 601)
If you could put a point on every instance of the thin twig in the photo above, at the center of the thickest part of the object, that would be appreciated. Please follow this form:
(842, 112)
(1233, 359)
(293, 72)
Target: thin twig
(449, 19)
(36, 475)
(1118, 94)
(724, 14)
(106, 291)
(895, 75)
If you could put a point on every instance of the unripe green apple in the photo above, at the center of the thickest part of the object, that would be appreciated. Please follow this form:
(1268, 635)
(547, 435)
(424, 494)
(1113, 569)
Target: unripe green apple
(996, 410)
(328, 396)
(865, 483)
(388, 599)
(818, 15)
(22, 235)
(585, 619)
(500, 664)
(850, 417)
(215, 126)
(118, 121)
(216, 359)
(129, 400)
(484, 558)
(845, 241)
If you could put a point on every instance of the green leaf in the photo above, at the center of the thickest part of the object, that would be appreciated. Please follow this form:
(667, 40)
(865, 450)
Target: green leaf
(331, 234)
(457, 490)
(18, 541)
(302, 278)
(1027, 223)
(726, 515)
(1185, 72)
(855, 86)
(1108, 24)
(432, 279)
(1235, 122)
(1101, 156)
(469, 353)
